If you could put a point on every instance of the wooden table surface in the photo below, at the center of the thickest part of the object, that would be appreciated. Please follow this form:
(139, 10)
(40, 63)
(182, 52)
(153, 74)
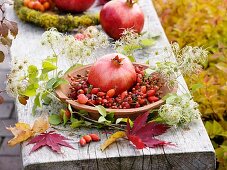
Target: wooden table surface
(193, 147)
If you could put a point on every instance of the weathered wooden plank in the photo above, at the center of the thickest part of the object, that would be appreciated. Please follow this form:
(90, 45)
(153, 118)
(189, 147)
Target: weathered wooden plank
(5, 150)
(193, 148)
(6, 123)
(9, 162)
(6, 110)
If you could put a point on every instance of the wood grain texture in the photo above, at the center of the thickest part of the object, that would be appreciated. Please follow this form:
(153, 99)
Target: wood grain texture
(193, 148)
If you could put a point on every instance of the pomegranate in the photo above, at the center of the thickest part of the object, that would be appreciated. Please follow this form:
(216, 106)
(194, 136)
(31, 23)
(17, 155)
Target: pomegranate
(73, 5)
(102, 2)
(112, 71)
(118, 15)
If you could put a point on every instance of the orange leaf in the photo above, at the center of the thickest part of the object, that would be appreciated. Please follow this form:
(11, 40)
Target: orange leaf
(40, 125)
(21, 132)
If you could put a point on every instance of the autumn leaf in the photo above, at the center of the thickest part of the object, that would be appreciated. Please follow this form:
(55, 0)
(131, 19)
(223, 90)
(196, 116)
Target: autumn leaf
(136, 141)
(51, 139)
(142, 133)
(139, 122)
(112, 139)
(40, 125)
(23, 131)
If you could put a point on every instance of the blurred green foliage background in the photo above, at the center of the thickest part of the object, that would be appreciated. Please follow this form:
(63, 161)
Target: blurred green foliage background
(203, 23)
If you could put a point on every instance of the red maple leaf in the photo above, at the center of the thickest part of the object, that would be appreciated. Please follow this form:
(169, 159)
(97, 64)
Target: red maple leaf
(142, 133)
(53, 140)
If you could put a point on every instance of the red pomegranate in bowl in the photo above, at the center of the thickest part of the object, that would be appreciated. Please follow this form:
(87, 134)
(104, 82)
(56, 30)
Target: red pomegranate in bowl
(112, 71)
(73, 5)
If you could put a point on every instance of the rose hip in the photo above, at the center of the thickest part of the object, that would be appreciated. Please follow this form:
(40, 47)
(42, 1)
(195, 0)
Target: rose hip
(82, 142)
(150, 93)
(110, 93)
(153, 99)
(100, 94)
(95, 90)
(87, 138)
(145, 90)
(82, 99)
(94, 137)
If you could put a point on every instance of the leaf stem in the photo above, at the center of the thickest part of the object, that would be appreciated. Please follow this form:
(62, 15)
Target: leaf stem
(53, 95)
(94, 121)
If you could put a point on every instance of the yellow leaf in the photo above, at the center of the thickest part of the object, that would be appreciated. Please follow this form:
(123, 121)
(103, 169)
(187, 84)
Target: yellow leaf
(21, 132)
(112, 139)
(40, 125)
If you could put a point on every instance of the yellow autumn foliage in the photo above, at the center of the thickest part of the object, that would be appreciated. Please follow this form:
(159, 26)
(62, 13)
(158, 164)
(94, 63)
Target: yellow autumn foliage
(203, 23)
(23, 131)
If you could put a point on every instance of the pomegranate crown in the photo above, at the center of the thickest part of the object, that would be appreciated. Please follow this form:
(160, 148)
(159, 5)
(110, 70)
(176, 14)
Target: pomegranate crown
(131, 2)
(117, 60)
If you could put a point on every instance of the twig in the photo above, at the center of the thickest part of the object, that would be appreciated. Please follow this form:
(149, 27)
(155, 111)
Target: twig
(94, 121)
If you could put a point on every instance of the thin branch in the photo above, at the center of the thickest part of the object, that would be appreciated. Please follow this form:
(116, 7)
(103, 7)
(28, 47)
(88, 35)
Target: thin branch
(94, 121)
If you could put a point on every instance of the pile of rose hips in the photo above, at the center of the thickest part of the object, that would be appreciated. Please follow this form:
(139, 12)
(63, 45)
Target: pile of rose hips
(146, 90)
(39, 5)
(88, 138)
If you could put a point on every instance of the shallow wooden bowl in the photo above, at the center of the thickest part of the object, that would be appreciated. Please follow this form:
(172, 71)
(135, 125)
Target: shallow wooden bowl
(63, 90)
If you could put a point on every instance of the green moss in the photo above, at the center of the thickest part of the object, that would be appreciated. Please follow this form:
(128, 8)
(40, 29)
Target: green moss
(48, 20)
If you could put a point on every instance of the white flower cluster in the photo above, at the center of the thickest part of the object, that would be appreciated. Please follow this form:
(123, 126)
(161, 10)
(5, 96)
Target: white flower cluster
(77, 51)
(179, 110)
(16, 81)
(189, 58)
(169, 72)
(128, 37)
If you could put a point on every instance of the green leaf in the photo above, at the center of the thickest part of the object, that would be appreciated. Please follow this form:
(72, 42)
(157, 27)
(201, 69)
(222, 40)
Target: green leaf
(102, 119)
(65, 118)
(213, 129)
(58, 82)
(37, 100)
(55, 119)
(124, 120)
(147, 42)
(110, 117)
(37, 103)
(77, 123)
(131, 58)
(31, 90)
(51, 59)
(50, 83)
(101, 110)
(130, 48)
(32, 71)
(72, 119)
(47, 66)
(43, 77)
(196, 86)
(46, 99)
